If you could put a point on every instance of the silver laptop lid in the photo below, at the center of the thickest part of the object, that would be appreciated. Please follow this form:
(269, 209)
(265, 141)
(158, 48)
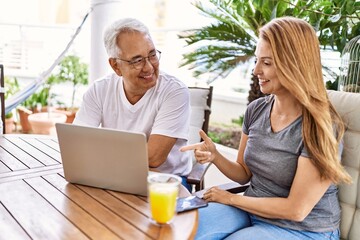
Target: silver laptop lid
(104, 158)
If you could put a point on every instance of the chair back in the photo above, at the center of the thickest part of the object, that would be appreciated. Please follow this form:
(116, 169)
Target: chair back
(2, 97)
(200, 102)
(348, 106)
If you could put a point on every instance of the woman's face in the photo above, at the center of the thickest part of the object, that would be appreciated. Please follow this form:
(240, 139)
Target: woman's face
(265, 69)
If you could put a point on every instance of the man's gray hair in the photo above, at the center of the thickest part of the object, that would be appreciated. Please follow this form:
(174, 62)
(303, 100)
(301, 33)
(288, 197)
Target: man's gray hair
(122, 25)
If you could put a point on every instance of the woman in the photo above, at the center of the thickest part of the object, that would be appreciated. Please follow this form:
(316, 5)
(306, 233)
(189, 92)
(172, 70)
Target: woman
(289, 149)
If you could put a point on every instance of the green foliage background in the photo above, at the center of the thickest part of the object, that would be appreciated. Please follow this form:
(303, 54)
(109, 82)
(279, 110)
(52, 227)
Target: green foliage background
(231, 38)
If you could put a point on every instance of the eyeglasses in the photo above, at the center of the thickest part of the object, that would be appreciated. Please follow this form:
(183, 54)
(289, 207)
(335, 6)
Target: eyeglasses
(139, 62)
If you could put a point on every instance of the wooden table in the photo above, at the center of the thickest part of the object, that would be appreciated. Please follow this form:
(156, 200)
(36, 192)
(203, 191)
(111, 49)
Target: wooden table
(36, 202)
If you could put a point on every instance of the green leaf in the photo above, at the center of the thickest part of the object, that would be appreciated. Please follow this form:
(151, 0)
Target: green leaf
(335, 18)
(231, 37)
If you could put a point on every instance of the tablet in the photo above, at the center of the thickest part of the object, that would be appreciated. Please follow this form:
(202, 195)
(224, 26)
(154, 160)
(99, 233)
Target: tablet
(189, 203)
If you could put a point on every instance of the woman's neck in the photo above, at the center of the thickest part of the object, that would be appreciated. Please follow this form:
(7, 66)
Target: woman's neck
(287, 106)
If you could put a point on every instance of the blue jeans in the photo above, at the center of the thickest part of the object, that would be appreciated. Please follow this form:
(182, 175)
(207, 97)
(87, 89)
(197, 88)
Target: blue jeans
(218, 221)
(185, 184)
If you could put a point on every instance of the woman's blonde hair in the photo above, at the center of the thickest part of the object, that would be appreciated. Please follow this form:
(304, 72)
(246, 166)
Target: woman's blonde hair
(296, 52)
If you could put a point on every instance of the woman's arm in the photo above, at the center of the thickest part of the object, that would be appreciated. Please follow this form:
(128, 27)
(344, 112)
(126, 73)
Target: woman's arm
(236, 171)
(306, 191)
(206, 152)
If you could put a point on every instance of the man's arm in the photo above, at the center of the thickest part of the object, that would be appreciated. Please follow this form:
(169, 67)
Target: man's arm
(171, 124)
(159, 147)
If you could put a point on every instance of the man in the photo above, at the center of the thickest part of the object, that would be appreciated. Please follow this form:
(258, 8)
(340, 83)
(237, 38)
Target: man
(137, 97)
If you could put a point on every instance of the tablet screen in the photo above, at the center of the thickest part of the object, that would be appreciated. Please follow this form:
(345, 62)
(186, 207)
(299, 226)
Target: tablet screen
(189, 203)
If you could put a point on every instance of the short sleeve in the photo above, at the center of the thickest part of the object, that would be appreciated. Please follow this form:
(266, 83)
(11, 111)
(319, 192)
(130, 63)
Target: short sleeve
(173, 118)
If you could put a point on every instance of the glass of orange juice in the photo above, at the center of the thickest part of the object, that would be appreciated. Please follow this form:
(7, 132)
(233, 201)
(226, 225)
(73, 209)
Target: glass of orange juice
(163, 190)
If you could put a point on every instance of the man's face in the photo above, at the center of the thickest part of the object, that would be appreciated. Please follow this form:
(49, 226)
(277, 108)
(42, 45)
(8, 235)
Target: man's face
(133, 47)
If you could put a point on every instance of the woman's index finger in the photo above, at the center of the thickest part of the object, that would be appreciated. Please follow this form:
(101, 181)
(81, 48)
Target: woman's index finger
(190, 147)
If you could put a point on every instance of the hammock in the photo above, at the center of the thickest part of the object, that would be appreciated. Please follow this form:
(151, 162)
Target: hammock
(22, 95)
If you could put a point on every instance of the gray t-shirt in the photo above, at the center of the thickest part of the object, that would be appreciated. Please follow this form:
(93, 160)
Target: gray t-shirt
(272, 158)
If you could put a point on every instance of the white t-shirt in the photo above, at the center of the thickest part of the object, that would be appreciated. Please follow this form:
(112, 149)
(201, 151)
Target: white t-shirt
(163, 110)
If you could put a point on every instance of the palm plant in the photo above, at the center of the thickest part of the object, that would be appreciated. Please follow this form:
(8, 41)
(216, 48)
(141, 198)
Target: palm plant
(231, 38)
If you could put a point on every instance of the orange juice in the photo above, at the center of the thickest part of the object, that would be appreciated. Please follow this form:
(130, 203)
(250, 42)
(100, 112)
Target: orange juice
(163, 202)
(163, 190)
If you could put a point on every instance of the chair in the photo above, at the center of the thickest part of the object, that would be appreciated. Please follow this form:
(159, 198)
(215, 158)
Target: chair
(200, 102)
(2, 97)
(347, 104)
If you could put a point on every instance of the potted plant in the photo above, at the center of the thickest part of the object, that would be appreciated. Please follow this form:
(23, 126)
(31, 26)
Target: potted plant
(73, 71)
(36, 103)
(9, 123)
(70, 70)
(12, 86)
(43, 117)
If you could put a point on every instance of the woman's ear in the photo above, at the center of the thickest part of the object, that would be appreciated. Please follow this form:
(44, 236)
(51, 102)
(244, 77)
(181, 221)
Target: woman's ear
(115, 65)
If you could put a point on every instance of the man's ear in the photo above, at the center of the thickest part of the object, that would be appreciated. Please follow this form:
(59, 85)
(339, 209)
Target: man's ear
(115, 65)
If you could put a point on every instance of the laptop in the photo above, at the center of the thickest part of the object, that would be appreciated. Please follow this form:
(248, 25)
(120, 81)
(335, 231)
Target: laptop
(104, 158)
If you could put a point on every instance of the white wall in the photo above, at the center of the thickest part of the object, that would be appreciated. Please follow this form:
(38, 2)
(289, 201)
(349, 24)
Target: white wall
(224, 108)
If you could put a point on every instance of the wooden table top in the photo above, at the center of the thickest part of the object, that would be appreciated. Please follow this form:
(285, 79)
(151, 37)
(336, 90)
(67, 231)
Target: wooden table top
(36, 202)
